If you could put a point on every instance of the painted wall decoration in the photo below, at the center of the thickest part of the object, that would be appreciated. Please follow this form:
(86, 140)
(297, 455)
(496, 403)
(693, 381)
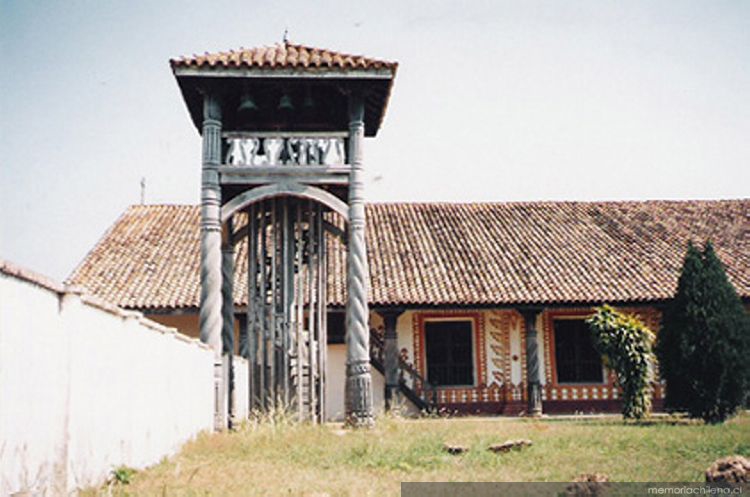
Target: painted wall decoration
(498, 348)
(501, 358)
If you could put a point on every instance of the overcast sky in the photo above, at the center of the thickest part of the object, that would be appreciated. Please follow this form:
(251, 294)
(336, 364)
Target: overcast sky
(493, 101)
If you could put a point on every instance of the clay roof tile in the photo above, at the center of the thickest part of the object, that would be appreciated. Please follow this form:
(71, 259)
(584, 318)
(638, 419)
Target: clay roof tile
(286, 55)
(450, 254)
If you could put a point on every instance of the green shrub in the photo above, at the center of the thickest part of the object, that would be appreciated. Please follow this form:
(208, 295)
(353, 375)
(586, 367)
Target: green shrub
(626, 344)
(123, 475)
(704, 343)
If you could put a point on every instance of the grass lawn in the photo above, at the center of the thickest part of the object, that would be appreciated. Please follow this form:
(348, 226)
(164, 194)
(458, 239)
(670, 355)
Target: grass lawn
(288, 459)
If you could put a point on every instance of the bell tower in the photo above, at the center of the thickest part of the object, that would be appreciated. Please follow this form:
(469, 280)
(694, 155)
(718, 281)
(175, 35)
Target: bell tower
(283, 130)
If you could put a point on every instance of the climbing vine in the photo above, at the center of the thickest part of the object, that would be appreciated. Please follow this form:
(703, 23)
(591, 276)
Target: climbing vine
(627, 346)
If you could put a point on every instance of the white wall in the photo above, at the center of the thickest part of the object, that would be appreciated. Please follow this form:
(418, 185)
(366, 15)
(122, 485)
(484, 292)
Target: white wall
(241, 393)
(336, 378)
(85, 388)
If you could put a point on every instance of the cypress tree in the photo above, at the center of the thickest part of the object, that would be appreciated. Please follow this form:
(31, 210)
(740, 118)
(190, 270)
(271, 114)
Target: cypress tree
(672, 348)
(704, 343)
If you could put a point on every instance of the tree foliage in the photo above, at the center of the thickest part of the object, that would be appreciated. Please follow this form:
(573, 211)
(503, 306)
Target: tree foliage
(626, 344)
(704, 342)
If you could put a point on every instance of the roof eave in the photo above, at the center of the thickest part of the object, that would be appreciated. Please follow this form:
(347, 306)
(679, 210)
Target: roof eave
(383, 77)
(270, 72)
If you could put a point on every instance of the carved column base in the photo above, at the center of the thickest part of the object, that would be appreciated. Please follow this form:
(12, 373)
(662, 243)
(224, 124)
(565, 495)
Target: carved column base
(535, 399)
(358, 395)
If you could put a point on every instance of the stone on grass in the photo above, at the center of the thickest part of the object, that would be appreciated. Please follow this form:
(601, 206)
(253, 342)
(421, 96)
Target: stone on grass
(509, 445)
(734, 469)
(455, 449)
(588, 484)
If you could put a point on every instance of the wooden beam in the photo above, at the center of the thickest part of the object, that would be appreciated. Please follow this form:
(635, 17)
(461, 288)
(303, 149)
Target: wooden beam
(282, 189)
(264, 175)
(285, 134)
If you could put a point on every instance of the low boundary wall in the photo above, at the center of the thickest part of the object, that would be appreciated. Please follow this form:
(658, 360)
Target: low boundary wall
(86, 387)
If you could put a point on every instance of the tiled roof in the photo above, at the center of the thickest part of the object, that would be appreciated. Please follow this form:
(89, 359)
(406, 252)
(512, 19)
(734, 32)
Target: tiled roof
(284, 56)
(452, 254)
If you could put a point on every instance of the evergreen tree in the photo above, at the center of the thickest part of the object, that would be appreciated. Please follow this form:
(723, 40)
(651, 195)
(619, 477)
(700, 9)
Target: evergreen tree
(672, 346)
(704, 343)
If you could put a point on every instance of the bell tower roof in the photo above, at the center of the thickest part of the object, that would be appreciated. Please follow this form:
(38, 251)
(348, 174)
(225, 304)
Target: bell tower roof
(286, 55)
(286, 65)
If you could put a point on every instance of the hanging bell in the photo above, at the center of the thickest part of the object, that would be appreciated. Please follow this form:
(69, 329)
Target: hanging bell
(247, 104)
(285, 102)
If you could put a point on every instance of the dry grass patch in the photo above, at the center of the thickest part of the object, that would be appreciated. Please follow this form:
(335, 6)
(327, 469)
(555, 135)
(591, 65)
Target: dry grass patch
(288, 459)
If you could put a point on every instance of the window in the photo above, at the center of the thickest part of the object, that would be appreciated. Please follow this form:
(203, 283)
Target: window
(577, 360)
(449, 352)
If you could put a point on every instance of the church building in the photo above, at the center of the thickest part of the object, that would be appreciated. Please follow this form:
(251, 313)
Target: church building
(343, 307)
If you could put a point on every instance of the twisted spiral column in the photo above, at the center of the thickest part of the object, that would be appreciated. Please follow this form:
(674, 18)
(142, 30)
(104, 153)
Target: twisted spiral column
(211, 261)
(358, 389)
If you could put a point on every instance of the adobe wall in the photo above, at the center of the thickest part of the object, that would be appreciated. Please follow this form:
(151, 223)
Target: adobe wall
(87, 387)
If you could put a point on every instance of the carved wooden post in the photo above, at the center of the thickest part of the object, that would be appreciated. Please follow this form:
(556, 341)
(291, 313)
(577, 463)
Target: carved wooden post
(210, 310)
(358, 389)
(390, 355)
(532, 362)
(227, 310)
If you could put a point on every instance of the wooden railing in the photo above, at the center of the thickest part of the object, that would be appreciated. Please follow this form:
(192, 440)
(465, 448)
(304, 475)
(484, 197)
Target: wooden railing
(271, 149)
(411, 383)
(377, 349)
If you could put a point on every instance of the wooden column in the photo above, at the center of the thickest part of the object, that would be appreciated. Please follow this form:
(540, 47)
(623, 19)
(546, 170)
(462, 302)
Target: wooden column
(227, 310)
(210, 303)
(244, 345)
(390, 355)
(358, 388)
(253, 315)
(534, 380)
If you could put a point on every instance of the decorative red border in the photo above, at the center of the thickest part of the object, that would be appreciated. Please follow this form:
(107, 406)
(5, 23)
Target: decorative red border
(568, 314)
(479, 341)
(509, 398)
(607, 390)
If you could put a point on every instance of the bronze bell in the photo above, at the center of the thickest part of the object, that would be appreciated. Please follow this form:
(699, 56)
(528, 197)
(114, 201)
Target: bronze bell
(285, 102)
(247, 104)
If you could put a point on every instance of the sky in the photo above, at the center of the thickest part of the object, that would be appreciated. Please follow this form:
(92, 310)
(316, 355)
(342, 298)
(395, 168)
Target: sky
(493, 101)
